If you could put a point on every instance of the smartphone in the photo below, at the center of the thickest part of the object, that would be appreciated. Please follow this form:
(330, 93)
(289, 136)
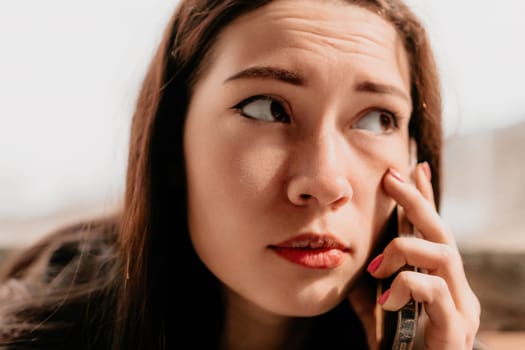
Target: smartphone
(407, 316)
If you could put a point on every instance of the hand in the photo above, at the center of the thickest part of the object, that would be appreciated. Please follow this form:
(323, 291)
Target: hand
(452, 309)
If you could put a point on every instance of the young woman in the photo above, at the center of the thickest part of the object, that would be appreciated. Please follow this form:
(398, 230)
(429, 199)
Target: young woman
(269, 150)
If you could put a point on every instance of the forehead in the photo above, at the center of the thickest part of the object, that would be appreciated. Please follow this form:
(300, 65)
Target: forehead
(315, 37)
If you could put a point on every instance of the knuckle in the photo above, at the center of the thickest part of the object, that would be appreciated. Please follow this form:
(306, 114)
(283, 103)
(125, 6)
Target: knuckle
(446, 254)
(448, 257)
(475, 323)
(475, 303)
(477, 308)
(396, 250)
(396, 245)
(473, 317)
(404, 278)
(471, 331)
(440, 286)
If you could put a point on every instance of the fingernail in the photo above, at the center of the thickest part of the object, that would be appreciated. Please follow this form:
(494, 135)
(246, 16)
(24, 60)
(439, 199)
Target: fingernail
(396, 175)
(374, 265)
(384, 297)
(426, 169)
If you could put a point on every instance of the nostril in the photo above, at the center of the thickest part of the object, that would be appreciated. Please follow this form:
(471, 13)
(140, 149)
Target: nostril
(305, 196)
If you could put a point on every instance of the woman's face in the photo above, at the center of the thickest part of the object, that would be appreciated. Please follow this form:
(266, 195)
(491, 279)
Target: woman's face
(296, 118)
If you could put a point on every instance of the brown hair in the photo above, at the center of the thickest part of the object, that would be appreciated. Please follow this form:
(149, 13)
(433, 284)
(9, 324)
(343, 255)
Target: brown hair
(154, 217)
(153, 235)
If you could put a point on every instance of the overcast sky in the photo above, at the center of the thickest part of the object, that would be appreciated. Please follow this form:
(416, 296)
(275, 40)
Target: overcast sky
(70, 70)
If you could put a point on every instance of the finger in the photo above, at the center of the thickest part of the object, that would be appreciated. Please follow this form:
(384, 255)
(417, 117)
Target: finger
(433, 258)
(436, 258)
(447, 328)
(418, 210)
(430, 290)
(422, 179)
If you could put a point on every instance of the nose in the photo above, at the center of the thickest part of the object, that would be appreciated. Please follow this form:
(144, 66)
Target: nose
(318, 175)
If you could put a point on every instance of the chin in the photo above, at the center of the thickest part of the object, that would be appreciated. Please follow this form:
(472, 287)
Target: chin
(311, 303)
(314, 308)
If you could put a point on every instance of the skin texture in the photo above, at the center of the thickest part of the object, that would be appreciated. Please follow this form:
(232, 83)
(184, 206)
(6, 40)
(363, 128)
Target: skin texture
(322, 168)
(246, 176)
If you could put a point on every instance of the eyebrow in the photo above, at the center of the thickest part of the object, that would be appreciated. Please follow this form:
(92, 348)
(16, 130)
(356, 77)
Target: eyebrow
(378, 88)
(268, 72)
(294, 78)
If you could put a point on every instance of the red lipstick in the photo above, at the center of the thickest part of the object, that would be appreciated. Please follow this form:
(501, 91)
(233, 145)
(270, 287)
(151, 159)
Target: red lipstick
(312, 251)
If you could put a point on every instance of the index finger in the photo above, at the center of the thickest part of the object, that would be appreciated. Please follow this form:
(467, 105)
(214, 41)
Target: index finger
(422, 180)
(418, 209)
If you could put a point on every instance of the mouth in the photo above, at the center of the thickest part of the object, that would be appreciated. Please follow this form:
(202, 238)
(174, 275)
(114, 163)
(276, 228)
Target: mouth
(312, 251)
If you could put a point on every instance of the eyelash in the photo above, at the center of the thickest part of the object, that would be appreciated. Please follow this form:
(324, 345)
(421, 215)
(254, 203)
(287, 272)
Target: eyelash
(395, 116)
(239, 108)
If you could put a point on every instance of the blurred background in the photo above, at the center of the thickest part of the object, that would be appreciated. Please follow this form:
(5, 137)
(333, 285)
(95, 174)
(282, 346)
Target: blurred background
(70, 73)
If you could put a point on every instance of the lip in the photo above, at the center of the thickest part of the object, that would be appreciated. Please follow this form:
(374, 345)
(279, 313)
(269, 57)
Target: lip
(314, 251)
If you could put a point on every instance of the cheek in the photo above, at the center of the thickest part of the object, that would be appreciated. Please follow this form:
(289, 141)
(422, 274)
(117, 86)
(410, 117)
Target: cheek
(232, 182)
(234, 167)
(231, 169)
(257, 169)
(378, 157)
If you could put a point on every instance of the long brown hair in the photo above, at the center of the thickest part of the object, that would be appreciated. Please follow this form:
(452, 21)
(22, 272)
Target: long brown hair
(153, 239)
(154, 228)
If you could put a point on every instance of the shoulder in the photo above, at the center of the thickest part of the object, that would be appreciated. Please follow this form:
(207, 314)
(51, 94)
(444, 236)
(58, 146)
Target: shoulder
(55, 294)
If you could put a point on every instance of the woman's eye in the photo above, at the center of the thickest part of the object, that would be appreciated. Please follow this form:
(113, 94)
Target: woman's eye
(377, 121)
(263, 108)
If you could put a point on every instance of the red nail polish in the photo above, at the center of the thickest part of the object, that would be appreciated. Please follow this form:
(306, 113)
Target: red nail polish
(396, 175)
(384, 297)
(374, 265)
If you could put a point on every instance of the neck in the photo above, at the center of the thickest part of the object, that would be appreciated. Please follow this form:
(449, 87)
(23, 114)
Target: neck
(363, 301)
(249, 327)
